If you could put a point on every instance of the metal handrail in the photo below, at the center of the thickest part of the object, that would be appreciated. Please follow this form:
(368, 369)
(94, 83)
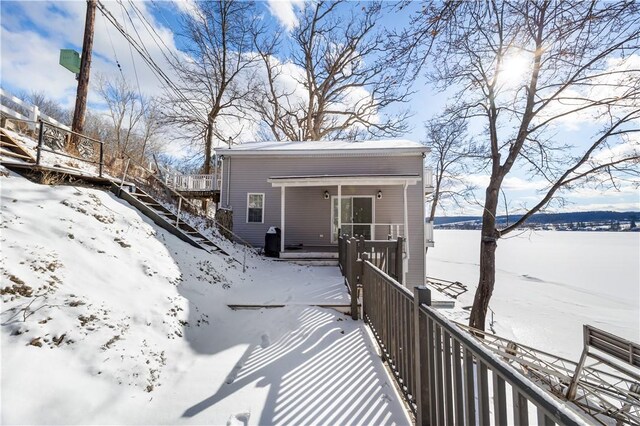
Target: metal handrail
(443, 372)
(549, 407)
(71, 132)
(190, 204)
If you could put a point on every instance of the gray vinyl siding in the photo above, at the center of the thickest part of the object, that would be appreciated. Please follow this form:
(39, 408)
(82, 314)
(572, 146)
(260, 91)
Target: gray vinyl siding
(308, 214)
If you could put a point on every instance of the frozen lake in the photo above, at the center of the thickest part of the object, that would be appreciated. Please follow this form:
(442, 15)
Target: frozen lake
(550, 283)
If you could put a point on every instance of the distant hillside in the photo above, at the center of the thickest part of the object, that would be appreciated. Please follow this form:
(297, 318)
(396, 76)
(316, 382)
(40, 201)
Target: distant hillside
(549, 218)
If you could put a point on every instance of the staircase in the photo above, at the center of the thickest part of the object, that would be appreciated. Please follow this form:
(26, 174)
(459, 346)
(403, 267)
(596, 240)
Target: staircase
(11, 149)
(164, 218)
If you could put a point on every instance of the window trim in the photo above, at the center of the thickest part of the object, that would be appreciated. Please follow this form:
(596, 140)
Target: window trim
(249, 194)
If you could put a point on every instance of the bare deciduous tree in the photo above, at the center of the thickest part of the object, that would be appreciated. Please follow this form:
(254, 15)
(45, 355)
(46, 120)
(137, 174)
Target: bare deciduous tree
(335, 83)
(214, 74)
(451, 153)
(124, 107)
(135, 119)
(576, 61)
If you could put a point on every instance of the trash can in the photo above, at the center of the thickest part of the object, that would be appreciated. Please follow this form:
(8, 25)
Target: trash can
(272, 242)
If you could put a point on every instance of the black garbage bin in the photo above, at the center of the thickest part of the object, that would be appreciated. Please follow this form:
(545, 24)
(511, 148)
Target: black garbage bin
(272, 242)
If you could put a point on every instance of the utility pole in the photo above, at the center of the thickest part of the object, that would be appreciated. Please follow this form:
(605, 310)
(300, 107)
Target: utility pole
(85, 68)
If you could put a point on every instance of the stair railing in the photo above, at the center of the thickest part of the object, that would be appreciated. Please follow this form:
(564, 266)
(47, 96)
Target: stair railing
(185, 202)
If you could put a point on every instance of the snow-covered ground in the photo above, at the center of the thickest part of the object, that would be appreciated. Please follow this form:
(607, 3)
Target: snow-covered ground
(108, 319)
(548, 284)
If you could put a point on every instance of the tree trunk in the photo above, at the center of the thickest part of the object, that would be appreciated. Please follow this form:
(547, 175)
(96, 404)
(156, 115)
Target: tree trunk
(488, 245)
(206, 169)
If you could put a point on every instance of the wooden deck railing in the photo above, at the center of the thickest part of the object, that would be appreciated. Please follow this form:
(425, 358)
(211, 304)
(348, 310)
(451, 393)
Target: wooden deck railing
(187, 183)
(446, 376)
(428, 180)
(15, 108)
(385, 254)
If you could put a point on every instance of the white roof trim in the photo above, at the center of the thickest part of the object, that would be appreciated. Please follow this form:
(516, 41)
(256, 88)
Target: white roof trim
(388, 152)
(328, 180)
(341, 148)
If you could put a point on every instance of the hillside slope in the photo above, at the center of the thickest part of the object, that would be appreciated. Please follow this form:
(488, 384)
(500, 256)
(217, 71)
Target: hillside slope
(108, 319)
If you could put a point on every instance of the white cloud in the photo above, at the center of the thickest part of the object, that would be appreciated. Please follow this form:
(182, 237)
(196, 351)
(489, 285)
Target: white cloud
(616, 207)
(284, 11)
(189, 7)
(30, 58)
(621, 76)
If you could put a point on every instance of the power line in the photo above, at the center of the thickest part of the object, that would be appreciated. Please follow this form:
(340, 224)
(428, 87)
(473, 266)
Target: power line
(133, 62)
(166, 50)
(115, 56)
(155, 68)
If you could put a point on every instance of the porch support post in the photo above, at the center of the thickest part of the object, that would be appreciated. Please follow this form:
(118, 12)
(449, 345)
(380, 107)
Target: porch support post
(339, 210)
(282, 219)
(406, 232)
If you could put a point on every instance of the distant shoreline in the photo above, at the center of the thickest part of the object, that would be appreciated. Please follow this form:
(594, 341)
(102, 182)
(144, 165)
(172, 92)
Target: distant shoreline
(595, 221)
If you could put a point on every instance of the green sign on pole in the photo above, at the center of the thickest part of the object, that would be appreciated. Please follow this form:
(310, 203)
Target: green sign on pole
(70, 59)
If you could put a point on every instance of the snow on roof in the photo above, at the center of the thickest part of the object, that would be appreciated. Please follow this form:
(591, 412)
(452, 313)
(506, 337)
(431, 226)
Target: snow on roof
(325, 147)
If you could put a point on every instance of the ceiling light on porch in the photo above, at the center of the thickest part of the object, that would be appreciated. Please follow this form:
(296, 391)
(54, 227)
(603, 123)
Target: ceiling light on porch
(326, 195)
(379, 195)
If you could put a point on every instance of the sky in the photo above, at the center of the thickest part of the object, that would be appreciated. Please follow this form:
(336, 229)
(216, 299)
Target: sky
(33, 32)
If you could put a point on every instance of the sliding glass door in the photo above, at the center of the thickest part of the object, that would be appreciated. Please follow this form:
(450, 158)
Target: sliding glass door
(356, 217)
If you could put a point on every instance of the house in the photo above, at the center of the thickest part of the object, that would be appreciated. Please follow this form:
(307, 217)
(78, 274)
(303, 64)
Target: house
(310, 190)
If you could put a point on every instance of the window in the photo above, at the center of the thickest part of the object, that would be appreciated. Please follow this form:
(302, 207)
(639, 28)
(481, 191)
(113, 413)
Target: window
(255, 208)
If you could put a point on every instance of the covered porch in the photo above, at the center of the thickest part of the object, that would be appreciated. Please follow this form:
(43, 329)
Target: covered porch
(315, 209)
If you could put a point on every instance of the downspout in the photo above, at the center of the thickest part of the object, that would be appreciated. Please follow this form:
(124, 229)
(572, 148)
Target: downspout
(424, 216)
(228, 180)
(406, 232)
(339, 212)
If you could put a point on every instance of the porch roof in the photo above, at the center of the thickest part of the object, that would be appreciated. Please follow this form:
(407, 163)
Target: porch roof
(332, 180)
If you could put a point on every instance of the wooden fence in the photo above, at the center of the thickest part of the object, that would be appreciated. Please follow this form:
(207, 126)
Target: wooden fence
(384, 254)
(445, 374)
(13, 107)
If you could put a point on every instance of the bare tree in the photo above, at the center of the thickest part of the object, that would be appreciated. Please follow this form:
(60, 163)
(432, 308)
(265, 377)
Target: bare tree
(578, 62)
(452, 153)
(50, 107)
(214, 75)
(335, 83)
(151, 127)
(135, 119)
(124, 109)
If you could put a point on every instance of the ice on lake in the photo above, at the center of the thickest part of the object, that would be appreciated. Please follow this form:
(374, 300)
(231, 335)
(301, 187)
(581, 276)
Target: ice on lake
(550, 283)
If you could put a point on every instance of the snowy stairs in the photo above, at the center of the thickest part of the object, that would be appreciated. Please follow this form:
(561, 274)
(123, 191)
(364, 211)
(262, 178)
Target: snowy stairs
(164, 218)
(11, 149)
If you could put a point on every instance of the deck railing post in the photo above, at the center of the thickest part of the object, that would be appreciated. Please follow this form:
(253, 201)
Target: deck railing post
(101, 159)
(352, 257)
(354, 288)
(40, 142)
(421, 295)
(360, 246)
(399, 260)
(178, 215)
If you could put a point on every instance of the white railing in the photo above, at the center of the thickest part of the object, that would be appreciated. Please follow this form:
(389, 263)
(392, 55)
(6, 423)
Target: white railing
(428, 234)
(428, 180)
(32, 111)
(192, 182)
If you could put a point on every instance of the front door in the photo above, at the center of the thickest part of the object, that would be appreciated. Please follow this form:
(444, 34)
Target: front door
(356, 217)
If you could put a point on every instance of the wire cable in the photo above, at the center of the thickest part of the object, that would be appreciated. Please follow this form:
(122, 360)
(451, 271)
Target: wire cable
(115, 56)
(135, 70)
(159, 73)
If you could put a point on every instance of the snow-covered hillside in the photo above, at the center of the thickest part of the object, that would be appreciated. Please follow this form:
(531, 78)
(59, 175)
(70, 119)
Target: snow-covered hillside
(548, 284)
(108, 319)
